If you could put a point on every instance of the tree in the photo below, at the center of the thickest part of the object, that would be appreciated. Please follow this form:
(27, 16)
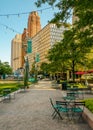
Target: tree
(34, 71)
(78, 41)
(56, 57)
(73, 52)
(82, 10)
(5, 68)
(44, 67)
(68, 54)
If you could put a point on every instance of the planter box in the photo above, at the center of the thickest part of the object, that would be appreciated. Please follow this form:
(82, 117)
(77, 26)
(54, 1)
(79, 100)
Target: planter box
(88, 116)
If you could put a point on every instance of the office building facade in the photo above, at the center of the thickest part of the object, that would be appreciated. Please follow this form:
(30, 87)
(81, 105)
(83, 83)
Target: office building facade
(43, 41)
(16, 52)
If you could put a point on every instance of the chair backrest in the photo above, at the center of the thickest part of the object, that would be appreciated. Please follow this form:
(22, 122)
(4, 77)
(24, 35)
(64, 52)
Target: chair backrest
(52, 103)
(74, 89)
(68, 86)
(79, 103)
(71, 94)
(75, 86)
(53, 106)
(62, 103)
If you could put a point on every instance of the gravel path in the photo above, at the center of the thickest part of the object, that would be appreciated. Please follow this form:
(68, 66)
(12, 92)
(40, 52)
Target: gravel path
(31, 110)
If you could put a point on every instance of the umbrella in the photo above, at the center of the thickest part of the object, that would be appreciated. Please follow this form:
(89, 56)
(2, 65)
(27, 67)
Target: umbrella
(80, 72)
(90, 71)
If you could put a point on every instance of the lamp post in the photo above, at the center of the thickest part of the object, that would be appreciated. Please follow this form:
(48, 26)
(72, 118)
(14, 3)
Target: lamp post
(86, 81)
(25, 46)
(26, 72)
(37, 59)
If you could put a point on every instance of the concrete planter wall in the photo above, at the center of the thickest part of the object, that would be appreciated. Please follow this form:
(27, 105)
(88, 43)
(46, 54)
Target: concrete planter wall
(88, 116)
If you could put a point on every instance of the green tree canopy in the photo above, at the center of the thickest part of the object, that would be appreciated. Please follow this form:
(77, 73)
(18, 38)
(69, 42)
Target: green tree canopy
(83, 12)
(78, 41)
(5, 68)
(68, 54)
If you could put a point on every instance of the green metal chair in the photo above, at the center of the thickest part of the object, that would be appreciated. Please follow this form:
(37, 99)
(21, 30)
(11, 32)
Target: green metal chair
(78, 109)
(70, 97)
(56, 109)
(68, 87)
(64, 108)
(6, 94)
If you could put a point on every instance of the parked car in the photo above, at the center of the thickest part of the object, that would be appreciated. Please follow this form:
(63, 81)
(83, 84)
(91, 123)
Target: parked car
(40, 76)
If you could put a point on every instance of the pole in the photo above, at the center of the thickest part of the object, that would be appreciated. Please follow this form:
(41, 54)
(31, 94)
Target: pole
(26, 72)
(86, 81)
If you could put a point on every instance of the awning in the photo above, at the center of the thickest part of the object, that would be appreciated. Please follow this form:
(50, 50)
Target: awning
(80, 72)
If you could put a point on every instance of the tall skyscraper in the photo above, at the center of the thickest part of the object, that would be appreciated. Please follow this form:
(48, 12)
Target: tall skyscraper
(24, 45)
(34, 25)
(33, 28)
(16, 52)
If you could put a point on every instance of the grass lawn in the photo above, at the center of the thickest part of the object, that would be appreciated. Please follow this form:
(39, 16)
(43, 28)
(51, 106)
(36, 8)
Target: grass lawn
(11, 85)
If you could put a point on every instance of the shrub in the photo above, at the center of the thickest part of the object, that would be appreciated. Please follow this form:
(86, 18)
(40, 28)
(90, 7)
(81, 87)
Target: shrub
(89, 104)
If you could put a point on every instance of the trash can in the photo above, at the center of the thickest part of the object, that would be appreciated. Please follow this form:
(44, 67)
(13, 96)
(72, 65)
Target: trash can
(58, 81)
(64, 86)
(4, 76)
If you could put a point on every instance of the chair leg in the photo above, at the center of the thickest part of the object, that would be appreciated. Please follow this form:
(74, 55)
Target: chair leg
(80, 117)
(77, 116)
(53, 113)
(57, 113)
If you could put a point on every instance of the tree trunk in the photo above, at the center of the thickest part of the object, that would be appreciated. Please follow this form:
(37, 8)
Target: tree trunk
(73, 70)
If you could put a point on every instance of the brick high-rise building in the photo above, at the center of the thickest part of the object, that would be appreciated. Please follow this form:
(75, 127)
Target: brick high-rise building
(16, 52)
(34, 25)
(24, 45)
(33, 28)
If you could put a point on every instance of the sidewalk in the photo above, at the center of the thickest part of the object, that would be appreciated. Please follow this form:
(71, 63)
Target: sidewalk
(31, 110)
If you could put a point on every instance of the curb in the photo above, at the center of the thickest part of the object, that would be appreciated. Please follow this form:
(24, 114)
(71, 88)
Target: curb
(88, 116)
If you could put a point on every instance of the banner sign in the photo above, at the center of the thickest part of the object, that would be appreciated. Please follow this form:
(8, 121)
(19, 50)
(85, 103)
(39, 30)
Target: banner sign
(29, 46)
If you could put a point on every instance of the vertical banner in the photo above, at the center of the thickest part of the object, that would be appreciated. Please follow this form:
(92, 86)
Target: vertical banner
(37, 58)
(29, 46)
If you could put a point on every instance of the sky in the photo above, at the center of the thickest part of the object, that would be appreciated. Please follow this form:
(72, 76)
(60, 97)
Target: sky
(11, 24)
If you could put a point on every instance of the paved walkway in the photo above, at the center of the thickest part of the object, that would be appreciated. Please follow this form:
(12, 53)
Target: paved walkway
(31, 110)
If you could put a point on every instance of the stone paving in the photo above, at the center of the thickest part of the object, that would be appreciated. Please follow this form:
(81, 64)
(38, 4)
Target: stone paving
(31, 110)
